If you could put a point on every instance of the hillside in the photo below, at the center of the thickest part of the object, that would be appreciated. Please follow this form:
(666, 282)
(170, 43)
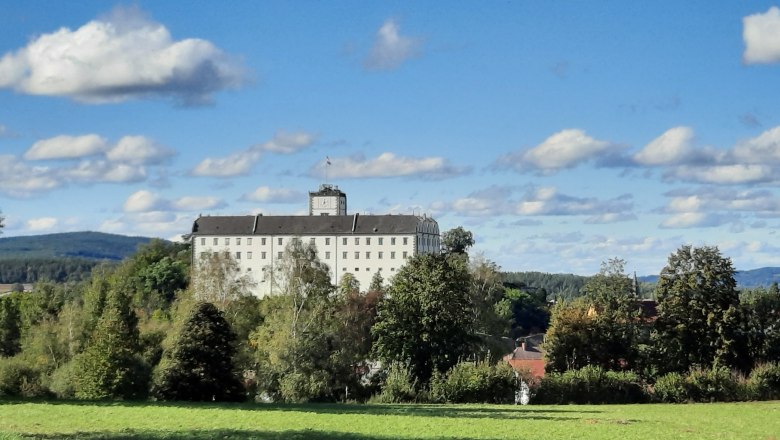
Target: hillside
(763, 276)
(83, 245)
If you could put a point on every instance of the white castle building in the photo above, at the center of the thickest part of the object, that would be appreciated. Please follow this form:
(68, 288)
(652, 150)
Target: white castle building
(357, 244)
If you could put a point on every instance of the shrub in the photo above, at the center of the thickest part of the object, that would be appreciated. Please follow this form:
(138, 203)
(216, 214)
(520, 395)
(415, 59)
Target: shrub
(63, 381)
(590, 384)
(671, 388)
(469, 382)
(764, 381)
(299, 388)
(399, 386)
(18, 379)
(717, 384)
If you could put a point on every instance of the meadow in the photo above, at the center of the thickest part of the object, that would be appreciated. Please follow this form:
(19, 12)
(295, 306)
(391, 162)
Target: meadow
(129, 420)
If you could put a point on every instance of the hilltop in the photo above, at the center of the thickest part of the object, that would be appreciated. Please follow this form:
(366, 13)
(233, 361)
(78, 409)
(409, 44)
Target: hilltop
(83, 245)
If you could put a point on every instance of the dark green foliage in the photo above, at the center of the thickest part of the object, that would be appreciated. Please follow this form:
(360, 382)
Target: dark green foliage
(590, 384)
(764, 381)
(457, 240)
(86, 245)
(31, 270)
(554, 286)
(671, 388)
(199, 365)
(717, 384)
(527, 311)
(426, 321)
(19, 379)
(699, 316)
(10, 322)
(761, 307)
(474, 382)
(399, 385)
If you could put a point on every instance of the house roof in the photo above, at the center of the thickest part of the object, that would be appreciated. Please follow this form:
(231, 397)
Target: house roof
(529, 353)
(308, 225)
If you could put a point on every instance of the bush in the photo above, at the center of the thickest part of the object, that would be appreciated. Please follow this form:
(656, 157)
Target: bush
(469, 382)
(717, 384)
(18, 379)
(764, 382)
(299, 388)
(63, 381)
(590, 384)
(399, 386)
(671, 388)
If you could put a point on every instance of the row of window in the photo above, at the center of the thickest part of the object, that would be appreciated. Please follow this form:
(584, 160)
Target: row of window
(280, 240)
(380, 255)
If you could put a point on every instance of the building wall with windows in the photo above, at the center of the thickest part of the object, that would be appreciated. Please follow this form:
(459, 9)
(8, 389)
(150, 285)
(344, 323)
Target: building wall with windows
(357, 244)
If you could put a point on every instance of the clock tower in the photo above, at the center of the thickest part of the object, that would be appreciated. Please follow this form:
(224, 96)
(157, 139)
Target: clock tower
(329, 200)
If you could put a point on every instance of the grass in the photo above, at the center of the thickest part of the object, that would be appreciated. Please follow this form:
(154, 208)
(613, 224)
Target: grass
(128, 420)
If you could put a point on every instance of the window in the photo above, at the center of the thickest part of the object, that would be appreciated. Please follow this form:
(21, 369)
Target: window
(357, 241)
(357, 269)
(262, 255)
(344, 255)
(279, 255)
(238, 241)
(249, 242)
(327, 241)
(379, 255)
(343, 269)
(344, 241)
(248, 255)
(238, 255)
(392, 269)
(406, 240)
(381, 240)
(262, 241)
(357, 255)
(368, 240)
(249, 269)
(216, 241)
(392, 255)
(203, 241)
(311, 241)
(392, 241)
(405, 255)
(227, 242)
(368, 255)
(280, 241)
(327, 255)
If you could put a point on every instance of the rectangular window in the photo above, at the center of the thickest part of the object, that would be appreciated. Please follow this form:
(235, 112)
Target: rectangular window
(344, 241)
(238, 255)
(327, 241)
(405, 255)
(368, 255)
(357, 241)
(327, 255)
(381, 240)
(357, 269)
(379, 255)
(280, 241)
(392, 255)
(216, 241)
(279, 255)
(406, 240)
(248, 255)
(249, 242)
(227, 242)
(262, 255)
(262, 241)
(238, 241)
(368, 241)
(344, 255)
(311, 241)
(392, 241)
(203, 241)
(357, 255)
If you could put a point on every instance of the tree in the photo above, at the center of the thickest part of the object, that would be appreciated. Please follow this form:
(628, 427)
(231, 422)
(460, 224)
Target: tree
(377, 283)
(218, 280)
(457, 240)
(762, 310)
(568, 344)
(486, 291)
(699, 319)
(199, 366)
(426, 321)
(10, 333)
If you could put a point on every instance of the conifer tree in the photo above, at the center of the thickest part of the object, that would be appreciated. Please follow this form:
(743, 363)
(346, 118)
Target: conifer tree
(9, 327)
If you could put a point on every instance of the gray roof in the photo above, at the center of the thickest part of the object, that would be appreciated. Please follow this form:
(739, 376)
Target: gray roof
(306, 225)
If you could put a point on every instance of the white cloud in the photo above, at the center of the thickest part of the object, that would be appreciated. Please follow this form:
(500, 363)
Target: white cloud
(267, 194)
(142, 201)
(117, 58)
(565, 149)
(390, 48)
(287, 143)
(547, 201)
(761, 33)
(674, 146)
(41, 224)
(18, 179)
(101, 171)
(686, 220)
(138, 150)
(389, 165)
(192, 203)
(722, 174)
(66, 147)
(148, 203)
(762, 149)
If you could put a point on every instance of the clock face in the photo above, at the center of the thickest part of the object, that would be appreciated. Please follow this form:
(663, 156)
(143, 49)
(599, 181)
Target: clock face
(324, 203)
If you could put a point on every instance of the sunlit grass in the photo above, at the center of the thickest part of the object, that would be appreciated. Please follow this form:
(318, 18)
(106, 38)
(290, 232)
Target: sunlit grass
(759, 420)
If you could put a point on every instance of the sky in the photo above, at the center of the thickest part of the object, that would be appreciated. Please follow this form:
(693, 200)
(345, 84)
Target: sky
(562, 134)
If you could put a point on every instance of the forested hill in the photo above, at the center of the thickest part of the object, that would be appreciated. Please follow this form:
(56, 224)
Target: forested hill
(556, 285)
(61, 257)
(87, 245)
(763, 276)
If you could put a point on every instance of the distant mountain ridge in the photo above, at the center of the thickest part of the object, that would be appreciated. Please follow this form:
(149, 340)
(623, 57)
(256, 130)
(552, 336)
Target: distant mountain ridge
(83, 245)
(763, 276)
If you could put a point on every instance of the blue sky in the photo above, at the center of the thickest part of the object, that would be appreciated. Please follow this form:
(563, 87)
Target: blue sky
(561, 133)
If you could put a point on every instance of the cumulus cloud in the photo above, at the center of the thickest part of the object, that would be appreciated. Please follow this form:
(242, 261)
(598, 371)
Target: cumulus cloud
(40, 224)
(672, 147)
(722, 174)
(241, 163)
(123, 56)
(565, 149)
(152, 204)
(548, 201)
(762, 149)
(390, 48)
(685, 220)
(267, 194)
(389, 165)
(66, 147)
(138, 150)
(18, 179)
(761, 34)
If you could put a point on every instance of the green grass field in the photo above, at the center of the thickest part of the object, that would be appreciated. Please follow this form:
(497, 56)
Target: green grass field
(75, 420)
